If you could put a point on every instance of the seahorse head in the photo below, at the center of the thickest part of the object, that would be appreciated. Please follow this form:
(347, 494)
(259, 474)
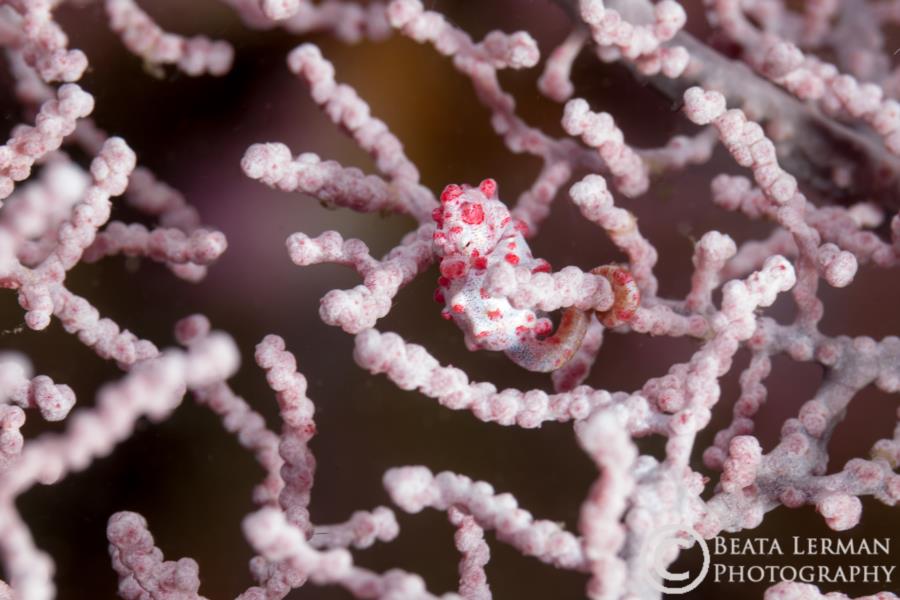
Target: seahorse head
(470, 221)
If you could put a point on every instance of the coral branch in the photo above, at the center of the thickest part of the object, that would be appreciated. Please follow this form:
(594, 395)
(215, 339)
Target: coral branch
(54, 122)
(415, 488)
(469, 539)
(141, 35)
(410, 366)
(153, 389)
(814, 118)
(142, 572)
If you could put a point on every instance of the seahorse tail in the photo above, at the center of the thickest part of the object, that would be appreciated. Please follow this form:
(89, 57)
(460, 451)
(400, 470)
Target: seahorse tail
(627, 296)
(550, 353)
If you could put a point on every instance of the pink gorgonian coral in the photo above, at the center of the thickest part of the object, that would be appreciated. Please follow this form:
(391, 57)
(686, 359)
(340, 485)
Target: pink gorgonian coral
(804, 98)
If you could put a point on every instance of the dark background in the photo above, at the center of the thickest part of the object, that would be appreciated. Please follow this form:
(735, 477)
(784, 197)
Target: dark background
(192, 480)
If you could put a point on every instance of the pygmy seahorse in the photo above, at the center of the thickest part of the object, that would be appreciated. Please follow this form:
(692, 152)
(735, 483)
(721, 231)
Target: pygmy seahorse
(476, 231)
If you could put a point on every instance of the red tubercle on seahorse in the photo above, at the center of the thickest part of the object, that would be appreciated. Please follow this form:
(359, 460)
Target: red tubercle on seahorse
(450, 193)
(453, 269)
(488, 187)
(542, 267)
(472, 213)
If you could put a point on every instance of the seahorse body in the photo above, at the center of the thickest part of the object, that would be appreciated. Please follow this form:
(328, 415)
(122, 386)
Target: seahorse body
(475, 231)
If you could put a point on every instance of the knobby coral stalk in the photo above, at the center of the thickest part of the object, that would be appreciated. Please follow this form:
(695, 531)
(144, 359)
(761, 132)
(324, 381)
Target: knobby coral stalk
(791, 109)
